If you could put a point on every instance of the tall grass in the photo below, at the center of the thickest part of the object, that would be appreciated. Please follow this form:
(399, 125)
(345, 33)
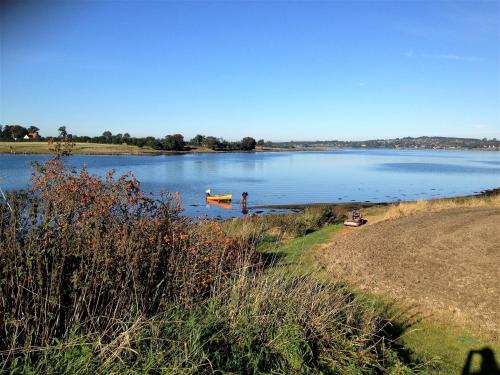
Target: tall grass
(257, 324)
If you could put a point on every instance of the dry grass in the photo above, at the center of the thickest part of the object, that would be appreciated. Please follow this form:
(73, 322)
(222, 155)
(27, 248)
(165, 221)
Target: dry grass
(80, 148)
(405, 209)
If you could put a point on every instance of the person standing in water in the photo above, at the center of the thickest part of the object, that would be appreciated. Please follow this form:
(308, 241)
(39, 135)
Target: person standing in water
(243, 201)
(243, 198)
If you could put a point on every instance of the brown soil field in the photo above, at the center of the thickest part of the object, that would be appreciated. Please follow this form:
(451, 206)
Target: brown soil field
(443, 265)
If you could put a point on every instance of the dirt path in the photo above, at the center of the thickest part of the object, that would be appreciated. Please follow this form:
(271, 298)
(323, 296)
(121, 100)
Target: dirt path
(446, 264)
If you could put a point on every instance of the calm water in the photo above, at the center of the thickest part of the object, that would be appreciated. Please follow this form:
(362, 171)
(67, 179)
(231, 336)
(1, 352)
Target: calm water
(291, 177)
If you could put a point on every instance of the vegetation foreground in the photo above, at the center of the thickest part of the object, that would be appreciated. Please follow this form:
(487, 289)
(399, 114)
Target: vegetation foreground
(98, 277)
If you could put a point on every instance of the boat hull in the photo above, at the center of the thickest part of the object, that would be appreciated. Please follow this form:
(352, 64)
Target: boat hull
(219, 198)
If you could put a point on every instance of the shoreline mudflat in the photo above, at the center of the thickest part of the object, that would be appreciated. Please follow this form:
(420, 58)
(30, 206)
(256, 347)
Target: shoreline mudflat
(368, 204)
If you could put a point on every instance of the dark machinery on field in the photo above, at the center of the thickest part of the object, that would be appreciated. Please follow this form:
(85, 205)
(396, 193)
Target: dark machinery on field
(354, 218)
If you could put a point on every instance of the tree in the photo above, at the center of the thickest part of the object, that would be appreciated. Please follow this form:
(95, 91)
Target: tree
(152, 142)
(6, 134)
(18, 131)
(174, 142)
(211, 142)
(225, 145)
(260, 142)
(62, 131)
(33, 129)
(107, 136)
(248, 143)
(117, 139)
(197, 140)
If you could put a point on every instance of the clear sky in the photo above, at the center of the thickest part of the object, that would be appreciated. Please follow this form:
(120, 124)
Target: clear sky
(274, 70)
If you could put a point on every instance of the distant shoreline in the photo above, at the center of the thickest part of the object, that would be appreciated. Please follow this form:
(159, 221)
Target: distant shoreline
(42, 148)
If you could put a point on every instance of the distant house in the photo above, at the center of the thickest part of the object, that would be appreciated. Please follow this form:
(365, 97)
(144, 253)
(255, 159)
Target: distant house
(31, 135)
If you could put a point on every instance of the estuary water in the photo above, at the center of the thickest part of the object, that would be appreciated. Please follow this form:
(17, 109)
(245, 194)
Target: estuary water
(275, 178)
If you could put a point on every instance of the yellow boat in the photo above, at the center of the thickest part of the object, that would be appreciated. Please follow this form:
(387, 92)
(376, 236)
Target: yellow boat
(219, 198)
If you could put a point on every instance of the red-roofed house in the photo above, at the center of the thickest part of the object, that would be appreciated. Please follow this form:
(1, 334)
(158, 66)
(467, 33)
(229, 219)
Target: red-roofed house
(31, 135)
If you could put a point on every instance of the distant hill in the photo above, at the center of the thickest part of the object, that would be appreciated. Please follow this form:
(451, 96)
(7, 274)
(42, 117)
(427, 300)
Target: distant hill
(435, 143)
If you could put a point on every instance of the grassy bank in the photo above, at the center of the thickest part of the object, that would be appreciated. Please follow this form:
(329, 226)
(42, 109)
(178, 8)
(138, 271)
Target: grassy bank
(121, 149)
(80, 148)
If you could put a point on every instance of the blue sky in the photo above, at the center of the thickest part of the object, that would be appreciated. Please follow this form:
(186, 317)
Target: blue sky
(274, 70)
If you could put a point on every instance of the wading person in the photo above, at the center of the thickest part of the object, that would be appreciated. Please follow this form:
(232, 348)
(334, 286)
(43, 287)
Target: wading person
(243, 201)
(243, 198)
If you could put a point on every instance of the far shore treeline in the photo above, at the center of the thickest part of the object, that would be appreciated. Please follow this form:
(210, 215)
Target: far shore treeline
(177, 142)
(171, 142)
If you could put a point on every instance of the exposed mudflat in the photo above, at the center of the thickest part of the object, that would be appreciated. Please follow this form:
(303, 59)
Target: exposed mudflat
(444, 264)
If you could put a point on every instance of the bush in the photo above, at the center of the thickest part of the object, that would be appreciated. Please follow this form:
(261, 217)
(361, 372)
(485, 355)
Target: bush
(257, 229)
(82, 251)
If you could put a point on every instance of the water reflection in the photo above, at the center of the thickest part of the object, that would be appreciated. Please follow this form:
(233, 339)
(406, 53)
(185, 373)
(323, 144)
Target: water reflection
(222, 204)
